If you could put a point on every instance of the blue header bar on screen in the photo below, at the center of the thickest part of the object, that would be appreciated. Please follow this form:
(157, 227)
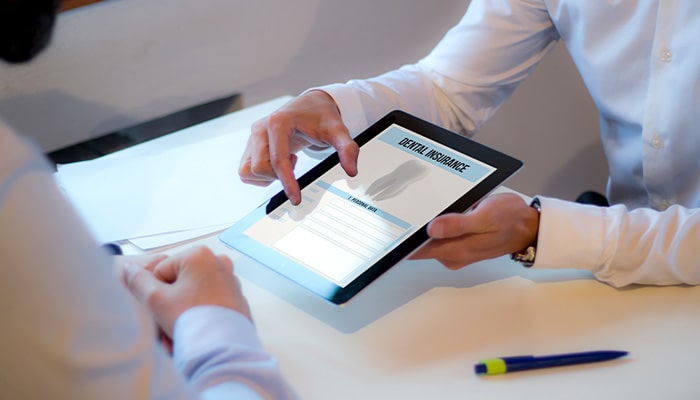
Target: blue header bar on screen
(436, 154)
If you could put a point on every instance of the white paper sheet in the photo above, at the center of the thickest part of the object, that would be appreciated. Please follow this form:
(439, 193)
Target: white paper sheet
(157, 241)
(183, 188)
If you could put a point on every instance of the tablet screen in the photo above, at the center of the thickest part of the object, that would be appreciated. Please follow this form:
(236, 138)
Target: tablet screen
(345, 225)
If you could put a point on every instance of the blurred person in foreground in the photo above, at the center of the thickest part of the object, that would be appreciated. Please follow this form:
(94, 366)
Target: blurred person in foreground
(71, 329)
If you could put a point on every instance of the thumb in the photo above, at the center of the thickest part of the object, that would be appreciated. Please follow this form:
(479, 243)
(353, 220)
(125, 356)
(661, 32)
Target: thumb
(348, 152)
(140, 281)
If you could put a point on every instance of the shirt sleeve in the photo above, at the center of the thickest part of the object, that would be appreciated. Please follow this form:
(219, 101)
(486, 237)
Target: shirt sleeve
(465, 78)
(219, 352)
(618, 246)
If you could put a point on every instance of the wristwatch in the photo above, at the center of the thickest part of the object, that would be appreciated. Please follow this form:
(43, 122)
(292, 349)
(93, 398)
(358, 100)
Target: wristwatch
(527, 256)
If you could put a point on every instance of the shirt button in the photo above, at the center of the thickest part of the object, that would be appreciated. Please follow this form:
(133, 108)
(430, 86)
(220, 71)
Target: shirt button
(663, 205)
(666, 55)
(657, 142)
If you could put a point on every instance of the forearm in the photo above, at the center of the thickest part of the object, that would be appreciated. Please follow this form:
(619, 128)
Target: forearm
(465, 78)
(412, 88)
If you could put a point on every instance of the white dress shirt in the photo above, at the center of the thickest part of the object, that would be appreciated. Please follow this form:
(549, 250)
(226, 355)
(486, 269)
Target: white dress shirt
(71, 330)
(639, 60)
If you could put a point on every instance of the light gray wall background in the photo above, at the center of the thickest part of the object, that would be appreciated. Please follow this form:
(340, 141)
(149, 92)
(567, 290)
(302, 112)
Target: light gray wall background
(122, 62)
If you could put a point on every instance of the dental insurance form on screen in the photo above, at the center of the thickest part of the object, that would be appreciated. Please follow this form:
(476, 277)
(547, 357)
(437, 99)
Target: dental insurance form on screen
(344, 224)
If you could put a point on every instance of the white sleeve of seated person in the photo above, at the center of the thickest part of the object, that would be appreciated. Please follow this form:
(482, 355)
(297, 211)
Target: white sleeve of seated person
(71, 330)
(621, 247)
(223, 362)
(465, 78)
(460, 85)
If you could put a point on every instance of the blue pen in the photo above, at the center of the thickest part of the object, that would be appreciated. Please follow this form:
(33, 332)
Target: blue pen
(495, 366)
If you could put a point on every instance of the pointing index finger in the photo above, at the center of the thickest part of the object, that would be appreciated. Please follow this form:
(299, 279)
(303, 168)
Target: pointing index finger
(281, 159)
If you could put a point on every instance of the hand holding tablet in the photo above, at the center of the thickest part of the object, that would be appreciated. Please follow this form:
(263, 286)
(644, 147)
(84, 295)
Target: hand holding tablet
(347, 231)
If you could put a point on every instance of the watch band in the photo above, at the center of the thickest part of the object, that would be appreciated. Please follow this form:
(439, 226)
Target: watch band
(527, 256)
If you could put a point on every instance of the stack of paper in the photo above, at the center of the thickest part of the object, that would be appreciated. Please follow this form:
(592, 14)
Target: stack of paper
(170, 196)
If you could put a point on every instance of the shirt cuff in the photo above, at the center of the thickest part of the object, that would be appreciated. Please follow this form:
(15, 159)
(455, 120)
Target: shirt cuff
(202, 330)
(570, 235)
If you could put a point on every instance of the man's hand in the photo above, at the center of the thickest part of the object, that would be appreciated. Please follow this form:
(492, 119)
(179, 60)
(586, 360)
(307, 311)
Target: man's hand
(312, 118)
(500, 224)
(192, 278)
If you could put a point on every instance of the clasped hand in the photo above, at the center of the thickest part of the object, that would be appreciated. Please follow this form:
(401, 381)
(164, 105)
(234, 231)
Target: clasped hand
(169, 286)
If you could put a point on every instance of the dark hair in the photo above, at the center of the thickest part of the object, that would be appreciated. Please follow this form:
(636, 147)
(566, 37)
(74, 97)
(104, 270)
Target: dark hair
(25, 27)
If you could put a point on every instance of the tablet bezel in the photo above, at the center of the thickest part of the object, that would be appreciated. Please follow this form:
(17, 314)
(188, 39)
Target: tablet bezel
(504, 165)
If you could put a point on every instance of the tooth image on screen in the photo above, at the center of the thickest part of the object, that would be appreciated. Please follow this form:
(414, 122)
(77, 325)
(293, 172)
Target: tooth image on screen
(396, 181)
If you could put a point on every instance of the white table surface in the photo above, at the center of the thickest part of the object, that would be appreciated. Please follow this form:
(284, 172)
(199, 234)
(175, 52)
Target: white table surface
(417, 331)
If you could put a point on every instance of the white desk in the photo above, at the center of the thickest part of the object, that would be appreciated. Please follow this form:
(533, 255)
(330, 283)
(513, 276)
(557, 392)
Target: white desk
(417, 331)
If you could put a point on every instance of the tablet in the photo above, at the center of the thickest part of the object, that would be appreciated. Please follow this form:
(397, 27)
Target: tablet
(348, 231)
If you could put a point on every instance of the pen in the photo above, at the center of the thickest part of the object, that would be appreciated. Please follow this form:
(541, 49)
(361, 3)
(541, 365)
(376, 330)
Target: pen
(495, 366)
